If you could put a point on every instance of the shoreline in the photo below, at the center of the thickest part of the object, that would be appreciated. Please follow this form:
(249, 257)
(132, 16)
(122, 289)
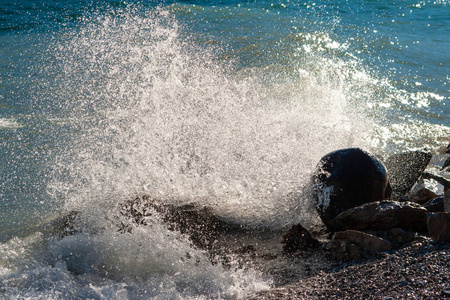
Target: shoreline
(417, 271)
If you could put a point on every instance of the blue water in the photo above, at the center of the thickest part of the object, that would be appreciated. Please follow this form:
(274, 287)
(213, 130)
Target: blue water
(229, 104)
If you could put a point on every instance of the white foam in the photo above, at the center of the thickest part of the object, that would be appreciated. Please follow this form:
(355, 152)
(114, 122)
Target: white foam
(150, 263)
(9, 123)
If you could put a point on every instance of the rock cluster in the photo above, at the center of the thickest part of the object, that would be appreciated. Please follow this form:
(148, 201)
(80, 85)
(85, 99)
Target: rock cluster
(352, 190)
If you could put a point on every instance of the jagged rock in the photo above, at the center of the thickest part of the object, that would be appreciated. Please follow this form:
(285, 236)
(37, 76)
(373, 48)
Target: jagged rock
(405, 169)
(435, 205)
(353, 244)
(298, 238)
(384, 215)
(425, 190)
(199, 223)
(347, 178)
(439, 226)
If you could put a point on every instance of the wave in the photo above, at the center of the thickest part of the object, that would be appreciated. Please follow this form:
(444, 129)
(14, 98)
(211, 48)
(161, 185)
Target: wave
(148, 110)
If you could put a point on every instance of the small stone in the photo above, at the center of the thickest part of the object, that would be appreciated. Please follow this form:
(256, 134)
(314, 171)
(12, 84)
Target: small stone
(421, 282)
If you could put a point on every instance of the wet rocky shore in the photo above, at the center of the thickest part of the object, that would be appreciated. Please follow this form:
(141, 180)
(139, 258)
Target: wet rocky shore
(396, 248)
(394, 243)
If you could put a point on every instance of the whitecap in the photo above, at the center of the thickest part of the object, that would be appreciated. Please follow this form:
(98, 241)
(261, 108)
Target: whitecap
(10, 123)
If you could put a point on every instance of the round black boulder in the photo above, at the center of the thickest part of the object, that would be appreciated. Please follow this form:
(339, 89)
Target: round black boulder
(345, 179)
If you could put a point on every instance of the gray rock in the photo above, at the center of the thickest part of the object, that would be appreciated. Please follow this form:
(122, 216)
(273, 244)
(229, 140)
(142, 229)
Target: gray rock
(405, 169)
(425, 190)
(348, 178)
(438, 162)
(353, 244)
(384, 215)
(439, 226)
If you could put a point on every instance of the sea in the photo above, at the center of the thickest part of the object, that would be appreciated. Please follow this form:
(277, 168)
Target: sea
(225, 104)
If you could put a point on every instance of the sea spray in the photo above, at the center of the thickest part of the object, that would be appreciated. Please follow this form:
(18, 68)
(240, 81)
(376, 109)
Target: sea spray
(152, 113)
(158, 115)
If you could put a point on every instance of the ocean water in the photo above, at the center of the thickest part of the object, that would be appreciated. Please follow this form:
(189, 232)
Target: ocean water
(227, 104)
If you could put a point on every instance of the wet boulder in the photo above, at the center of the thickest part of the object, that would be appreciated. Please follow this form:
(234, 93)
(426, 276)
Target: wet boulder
(345, 179)
(405, 169)
(425, 190)
(385, 215)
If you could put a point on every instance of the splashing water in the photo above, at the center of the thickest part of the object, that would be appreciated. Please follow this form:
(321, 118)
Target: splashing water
(159, 116)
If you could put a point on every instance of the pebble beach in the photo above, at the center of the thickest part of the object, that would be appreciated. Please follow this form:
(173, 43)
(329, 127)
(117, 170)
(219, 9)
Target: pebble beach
(418, 271)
